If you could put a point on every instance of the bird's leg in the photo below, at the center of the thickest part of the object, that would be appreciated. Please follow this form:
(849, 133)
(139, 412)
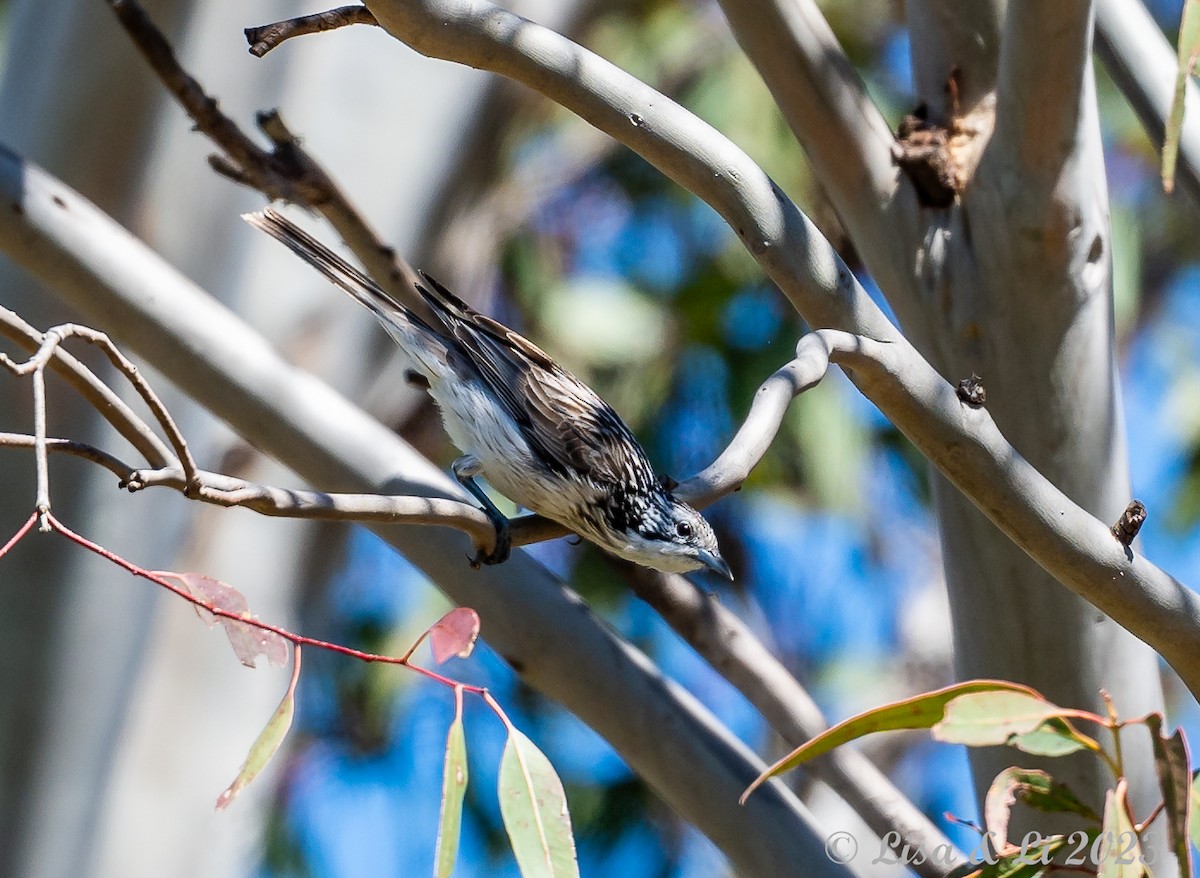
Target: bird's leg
(465, 469)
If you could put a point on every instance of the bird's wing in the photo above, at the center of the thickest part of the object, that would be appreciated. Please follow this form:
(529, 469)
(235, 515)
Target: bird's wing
(560, 416)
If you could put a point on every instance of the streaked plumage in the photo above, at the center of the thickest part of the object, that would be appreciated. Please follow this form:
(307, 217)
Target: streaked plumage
(538, 434)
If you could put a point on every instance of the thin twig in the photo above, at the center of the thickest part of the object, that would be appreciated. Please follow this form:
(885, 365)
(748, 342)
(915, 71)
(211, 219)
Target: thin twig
(20, 534)
(53, 339)
(113, 464)
(39, 447)
(101, 397)
(226, 491)
(266, 37)
(1139, 828)
(758, 430)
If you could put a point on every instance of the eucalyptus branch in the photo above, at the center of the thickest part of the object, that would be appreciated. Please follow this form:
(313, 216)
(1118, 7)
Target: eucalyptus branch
(35, 367)
(767, 409)
(947, 36)
(837, 123)
(286, 171)
(964, 443)
(1045, 56)
(1075, 547)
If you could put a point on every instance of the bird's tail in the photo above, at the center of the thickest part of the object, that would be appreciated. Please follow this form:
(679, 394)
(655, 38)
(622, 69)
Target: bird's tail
(406, 327)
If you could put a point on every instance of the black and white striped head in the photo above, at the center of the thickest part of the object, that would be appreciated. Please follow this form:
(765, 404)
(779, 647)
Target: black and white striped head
(671, 536)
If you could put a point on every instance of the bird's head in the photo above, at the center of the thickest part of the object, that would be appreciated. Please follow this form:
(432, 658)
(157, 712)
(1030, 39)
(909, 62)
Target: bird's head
(673, 537)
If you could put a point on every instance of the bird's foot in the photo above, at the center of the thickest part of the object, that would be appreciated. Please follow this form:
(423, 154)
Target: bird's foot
(465, 470)
(501, 550)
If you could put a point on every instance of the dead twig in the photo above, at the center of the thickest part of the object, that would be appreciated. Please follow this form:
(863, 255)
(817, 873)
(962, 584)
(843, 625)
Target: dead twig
(266, 37)
(285, 171)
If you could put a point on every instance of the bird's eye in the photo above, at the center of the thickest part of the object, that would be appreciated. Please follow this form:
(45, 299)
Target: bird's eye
(684, 529)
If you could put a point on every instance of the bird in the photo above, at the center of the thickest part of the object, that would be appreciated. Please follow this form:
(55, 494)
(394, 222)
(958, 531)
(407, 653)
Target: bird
(539, 435)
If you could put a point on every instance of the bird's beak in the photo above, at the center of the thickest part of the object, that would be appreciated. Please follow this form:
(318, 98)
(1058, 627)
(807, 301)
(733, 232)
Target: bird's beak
(716, 564)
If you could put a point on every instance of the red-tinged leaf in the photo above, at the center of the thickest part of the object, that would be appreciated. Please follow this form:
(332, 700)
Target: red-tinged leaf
(997, 804)
(454, 634)
(1035, 789)
(981, 719)
(1173, 765)
(248, 641)
(1189, 50)
(268, 740)
(1119, 852)
(534, 807)
(454, 788)
(918, 712)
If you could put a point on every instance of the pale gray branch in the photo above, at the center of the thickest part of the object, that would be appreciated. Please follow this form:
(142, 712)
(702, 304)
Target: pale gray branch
(963, 442)
(1045, 56)
(834, 119)
(949, 35)
(1079, 550)
(727, 473)
(52, 341)
(1143, 65)
(111, 463)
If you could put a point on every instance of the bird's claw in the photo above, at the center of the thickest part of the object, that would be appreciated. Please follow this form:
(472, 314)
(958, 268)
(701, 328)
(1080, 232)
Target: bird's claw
(500, 551)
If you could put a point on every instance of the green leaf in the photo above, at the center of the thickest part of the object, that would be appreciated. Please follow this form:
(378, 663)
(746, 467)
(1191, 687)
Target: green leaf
(268, 740)
(1055, 737)
(1026, 863)
(918, 712)
(454, 788)
(981, 719)
(534, 808)
(1194, 820)
(1037, 790)
(1120, 852)
(1171, 762)
(1189, 49)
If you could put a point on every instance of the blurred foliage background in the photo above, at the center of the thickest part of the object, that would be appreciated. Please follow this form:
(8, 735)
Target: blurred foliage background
(643, 291)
